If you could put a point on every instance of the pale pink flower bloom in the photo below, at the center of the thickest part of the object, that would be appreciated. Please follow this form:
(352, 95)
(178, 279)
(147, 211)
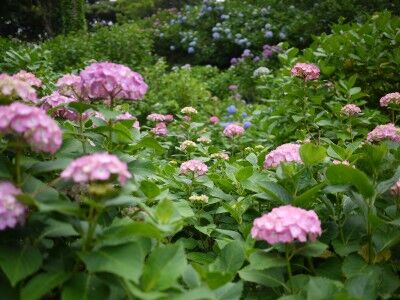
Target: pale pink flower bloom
(108, 81)
(305, 71)
(28, 77)
(197, 167)
(287, 224)
(384, 132)
(96, 167)
(283, 153)
(233, 130)
(16, 88)
(214, 119)
(57, 100)
(39, 130)
(187, 118)
(391, 98)
(351, 110)
(395, 189)
(12, 212)
(70, 85)
(160, 129)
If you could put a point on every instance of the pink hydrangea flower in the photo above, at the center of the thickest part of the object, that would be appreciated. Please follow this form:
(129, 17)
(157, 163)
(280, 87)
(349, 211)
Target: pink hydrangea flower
(15, 88)
(28, 77)
(197, 167)
(214, 119)
(305, 71)
(168, 118)
(70, 85)
(160, 129)
(39, 130)
(351, 110)
(128, 116)
(283, 153)
(12, 212)
(287, 224)
(56, 100)
(233, 130)
(391, 98)
(395, 189)
(96, 167)
(108, 81)
(384, 132)
(233, 87)
(156, 117)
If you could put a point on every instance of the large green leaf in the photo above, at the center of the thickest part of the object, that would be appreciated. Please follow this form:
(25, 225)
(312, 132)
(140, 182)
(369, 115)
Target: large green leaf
(163, 267)
(84, 287)
(342, 174)
(125, 260)
(270, 277)
(322, 288)
(42, 284)
(230, 259)
(19, 262)
(261, 260)
(312, 154)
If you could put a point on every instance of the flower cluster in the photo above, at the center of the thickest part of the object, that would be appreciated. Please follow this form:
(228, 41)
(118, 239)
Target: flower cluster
(213, 119)
(12, 212)
(12, 87)
(199, 198)
(109, 81)
(160, 129)
(39, 130)
(96, 167)
(390, 99)
(220, 155)
(350, 110)
(305, 71)
(384, 132)
(187, 144)
(203, 140)
(395, 189)
(160, 117)
(128, 116)
(287, 224)
(188, 110)
(28, 77)
(284, 153)
(197, 167)
(233, 130)
(55, 100)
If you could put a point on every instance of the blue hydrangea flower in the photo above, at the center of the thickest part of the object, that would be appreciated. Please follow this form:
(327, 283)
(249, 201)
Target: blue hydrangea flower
(282, 35)
(190, 50)
(244, 115)
(231, 109)
(246, 124)
(269, 34)
(216, 35)
(172, 47)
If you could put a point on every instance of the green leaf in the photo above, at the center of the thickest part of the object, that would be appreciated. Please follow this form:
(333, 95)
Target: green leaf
(150, 143)
(244, 173)
(164, 211)
(307, 198)
(84, 287)
(312, 249)
(42, 284)
(269, 278)
(18, 263)
(230, 259)
(123, 260)
(49, 166)
(150, 189)
(261, 260)
(322, 288)
(163, 267)
(229, 291)
(363, 286)
(276, 192)
(80, 107)
(312, 154)
(191, 278)
(342, 174)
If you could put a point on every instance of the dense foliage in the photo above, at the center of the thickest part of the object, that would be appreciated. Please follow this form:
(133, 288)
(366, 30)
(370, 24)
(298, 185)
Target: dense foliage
(123, 176)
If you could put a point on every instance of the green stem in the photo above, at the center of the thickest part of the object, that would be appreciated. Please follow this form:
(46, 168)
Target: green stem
(110, 135)
(289, 267)
(92, 220)
(81, 130)
(18, 177)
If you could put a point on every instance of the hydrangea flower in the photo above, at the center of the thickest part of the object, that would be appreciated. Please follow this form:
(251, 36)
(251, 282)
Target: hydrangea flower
(56, 100)
(197, 167)
(220, 155)
(96, 167)
(233, 87)
(341, 162)
(384, 132)
(160, 117)
(284, 153)
(70, 85)
(233, 130)
(187, 144)
(287, 224)
(28, 77)
(261, 71)
(231, 109)
(214, 119)
(305, 71)
(395, 189)
(390, 99)
(108, 81)
(188, 110)
(12, 212)
(204, 140)
(351, 110)
(160, 129)
(246, 124)
(199, 198)
(11, 87)
(39, 130)
(128, 116)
